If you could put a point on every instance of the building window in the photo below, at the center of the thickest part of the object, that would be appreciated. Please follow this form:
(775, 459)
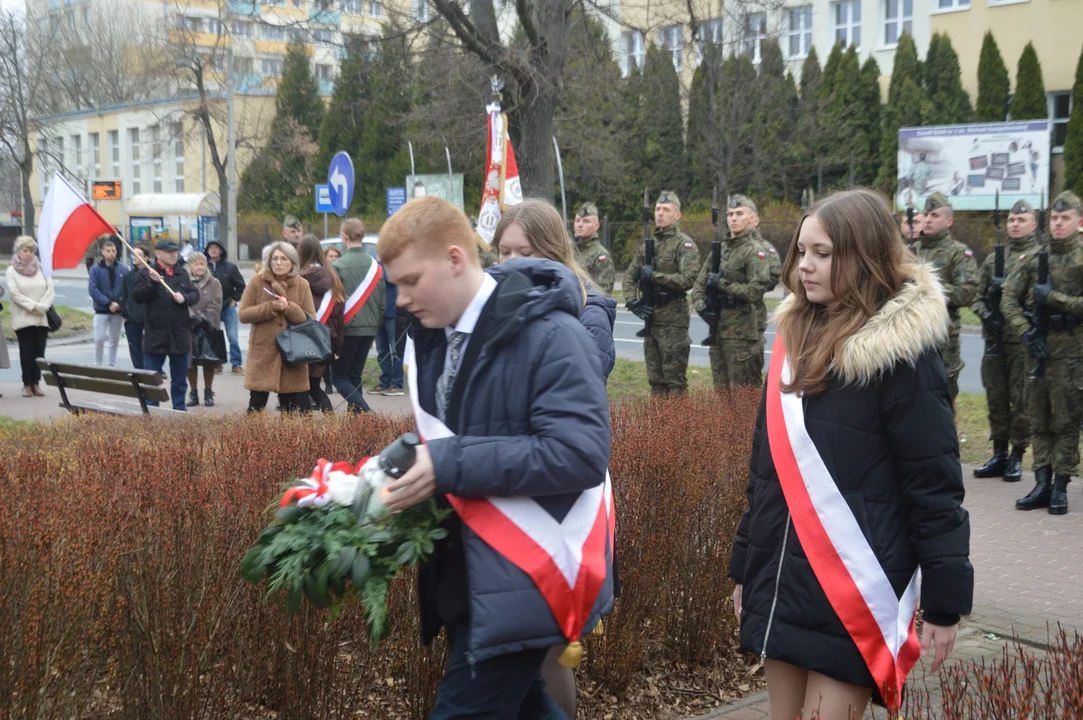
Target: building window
(44, 162)
(271, 67)
(325, 73)
(114, 153)
(671, 39)
(77, 155)
(799, 31)
(1060, 109)
(323, 36)
(633, 51)
(273, 32)
(177, 131)
(376, 8)
(847, 17)
(136, 158)
(242, 28)
(755, 32)
(953, 4)
(243, 65)
(421, 11)
(193, 25)
(351, 7)
(213, 26)
(94, 161)
(58, 153)
(297, 4)
(156, 155)
(898, 19)
(708, 33)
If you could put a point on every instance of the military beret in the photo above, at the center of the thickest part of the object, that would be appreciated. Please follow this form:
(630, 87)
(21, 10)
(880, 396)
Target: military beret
(291, 222)
(1021, 207)
(936, 201)
(587, 209)
(668, 197)
(1067, 201)
(743, 201)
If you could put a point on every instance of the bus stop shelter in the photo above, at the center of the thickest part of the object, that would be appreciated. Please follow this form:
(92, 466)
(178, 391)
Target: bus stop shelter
(151, 214)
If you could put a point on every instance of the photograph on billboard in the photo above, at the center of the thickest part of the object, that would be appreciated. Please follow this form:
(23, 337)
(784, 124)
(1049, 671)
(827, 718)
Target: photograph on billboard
(972, 163)
(446, 187)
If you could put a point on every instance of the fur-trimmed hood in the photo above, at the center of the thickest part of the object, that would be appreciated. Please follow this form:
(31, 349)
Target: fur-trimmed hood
(913, 321)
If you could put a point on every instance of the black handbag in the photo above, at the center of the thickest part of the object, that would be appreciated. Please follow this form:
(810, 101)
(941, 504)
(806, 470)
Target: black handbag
(53, 318)
(305, 343)
(208, 346)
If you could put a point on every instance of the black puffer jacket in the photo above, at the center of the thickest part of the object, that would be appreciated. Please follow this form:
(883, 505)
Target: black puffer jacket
(886, 432)
(227, 274)
(166, 322)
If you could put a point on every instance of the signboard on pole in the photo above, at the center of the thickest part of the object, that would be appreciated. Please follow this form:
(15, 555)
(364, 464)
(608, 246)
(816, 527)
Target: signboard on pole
(340, 182)
(323, 199)
(396, 198)
(105, 190)
(443, 186)
(971, 163)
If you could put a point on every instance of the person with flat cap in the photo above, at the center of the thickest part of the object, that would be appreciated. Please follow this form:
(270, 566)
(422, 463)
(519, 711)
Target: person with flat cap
(589, 251)
(1055, 395)
(676, 260)
(743, 278)
(1004, 364)
(954, 264)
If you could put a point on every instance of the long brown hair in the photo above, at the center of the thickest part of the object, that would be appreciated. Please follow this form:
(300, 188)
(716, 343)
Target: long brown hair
(544, 228)
(310, 252)
(869, 266)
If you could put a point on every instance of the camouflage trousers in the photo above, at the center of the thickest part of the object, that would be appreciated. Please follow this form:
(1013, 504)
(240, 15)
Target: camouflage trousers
(1004, 378)
(666, 354)
(1055, 405)
(736, 362)
(953, 362)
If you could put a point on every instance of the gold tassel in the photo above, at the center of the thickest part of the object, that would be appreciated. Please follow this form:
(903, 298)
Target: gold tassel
(598, 629)
(572, 655)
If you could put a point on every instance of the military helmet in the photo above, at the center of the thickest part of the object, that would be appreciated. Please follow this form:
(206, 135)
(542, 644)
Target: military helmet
(936, 201)
(1021, 207)
(587, 209)
(1067, 201)
(743, 201)
(668, 197)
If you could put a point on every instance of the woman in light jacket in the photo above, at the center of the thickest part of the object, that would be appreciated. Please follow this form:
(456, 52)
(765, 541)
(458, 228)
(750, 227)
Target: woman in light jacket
(32, 295)
(208, 314)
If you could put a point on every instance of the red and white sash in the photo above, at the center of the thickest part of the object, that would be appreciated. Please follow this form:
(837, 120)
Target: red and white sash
(360, 296)
(566, 560)
(323, 312)
(881, 624)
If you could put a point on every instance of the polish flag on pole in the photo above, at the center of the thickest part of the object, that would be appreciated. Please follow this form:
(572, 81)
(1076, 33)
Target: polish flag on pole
(68, 225)
(502, 188)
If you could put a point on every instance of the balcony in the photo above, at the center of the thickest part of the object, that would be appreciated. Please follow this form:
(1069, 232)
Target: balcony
(326, 16)
(244, 7)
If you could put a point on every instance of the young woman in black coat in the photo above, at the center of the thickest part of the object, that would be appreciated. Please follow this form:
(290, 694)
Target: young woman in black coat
(855, 483)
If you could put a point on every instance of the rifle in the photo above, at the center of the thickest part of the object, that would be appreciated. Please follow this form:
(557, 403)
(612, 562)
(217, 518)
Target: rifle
(643, 306)
(910, 219)
(711, 298)
(1039, 319)
(996, 288)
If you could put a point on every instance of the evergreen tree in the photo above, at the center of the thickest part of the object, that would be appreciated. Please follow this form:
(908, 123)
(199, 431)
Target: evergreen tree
(872, 112)
(344, 121)
(773, 117)
(1073, 142)
(831, 66)
(946, 101)
(845, 116)
(700, 135)
(993, 83)
(298, 95)
(660, 124)
(810, 125)
(1029, 100)
(904, 101)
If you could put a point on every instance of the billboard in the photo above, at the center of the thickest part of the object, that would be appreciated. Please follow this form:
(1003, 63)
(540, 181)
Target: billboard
(446, 187)
(971, 163)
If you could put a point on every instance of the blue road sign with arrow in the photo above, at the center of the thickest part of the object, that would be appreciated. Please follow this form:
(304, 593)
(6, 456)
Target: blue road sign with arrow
(340, 182)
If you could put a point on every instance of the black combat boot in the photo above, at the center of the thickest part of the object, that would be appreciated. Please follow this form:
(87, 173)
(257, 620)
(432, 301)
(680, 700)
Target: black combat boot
(208, 397)
(997, 463)
(1058, 500)
(193, 397)
(1013, 471)
(1039, 496)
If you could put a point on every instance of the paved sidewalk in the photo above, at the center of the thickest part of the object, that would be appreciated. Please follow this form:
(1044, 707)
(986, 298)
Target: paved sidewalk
(1028, 576)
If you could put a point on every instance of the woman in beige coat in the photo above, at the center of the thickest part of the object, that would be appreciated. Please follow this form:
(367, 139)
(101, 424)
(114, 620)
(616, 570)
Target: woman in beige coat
(273, 300)
(32, 295)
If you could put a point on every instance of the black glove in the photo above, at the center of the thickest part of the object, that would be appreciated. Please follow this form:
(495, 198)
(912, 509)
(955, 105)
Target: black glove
(640, 309)
(646, 274)
(1042, 293)
(708, 316)
(991, 322)
(1035, 345)
(713, 280)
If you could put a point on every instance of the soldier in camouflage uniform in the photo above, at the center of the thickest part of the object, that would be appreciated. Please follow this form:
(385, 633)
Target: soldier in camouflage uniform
(911, 233)
(744, 276)
(775, 262)
(676, 260)
(589, 251)
(955, 266)
(1054, 400)
(1004, 374)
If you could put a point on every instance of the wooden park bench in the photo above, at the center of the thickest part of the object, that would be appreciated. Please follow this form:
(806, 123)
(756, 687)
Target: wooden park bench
(142, 385)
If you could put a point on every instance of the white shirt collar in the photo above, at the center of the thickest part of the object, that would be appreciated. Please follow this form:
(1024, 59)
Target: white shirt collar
(473, 311)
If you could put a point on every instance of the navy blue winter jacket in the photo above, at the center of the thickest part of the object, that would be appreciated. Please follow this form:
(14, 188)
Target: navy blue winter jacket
(531, 419)
(598, 317)
(103, 289)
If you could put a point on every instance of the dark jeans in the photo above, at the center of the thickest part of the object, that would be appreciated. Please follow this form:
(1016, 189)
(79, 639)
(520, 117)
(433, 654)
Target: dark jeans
(507, 687)
(291, 402)
(134, 331)
(319, 398)
(178, 375)
(31, 347)
(391, 336)
(346, 371)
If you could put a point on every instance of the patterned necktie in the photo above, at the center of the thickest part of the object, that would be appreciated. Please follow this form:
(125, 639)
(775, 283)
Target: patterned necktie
(446, 381)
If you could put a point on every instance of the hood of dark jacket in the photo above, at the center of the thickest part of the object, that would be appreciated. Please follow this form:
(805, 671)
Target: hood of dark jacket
(225, 253)
(529, 288)
(907, 325)
(603, 302)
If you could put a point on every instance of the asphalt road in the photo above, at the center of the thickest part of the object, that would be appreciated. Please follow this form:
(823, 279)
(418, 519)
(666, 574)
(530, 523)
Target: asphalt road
(73, 293)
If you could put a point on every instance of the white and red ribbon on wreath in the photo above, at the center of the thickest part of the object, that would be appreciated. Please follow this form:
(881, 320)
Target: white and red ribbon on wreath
(880, 623)
(565, 559)
(502, 188)
(314, 490)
